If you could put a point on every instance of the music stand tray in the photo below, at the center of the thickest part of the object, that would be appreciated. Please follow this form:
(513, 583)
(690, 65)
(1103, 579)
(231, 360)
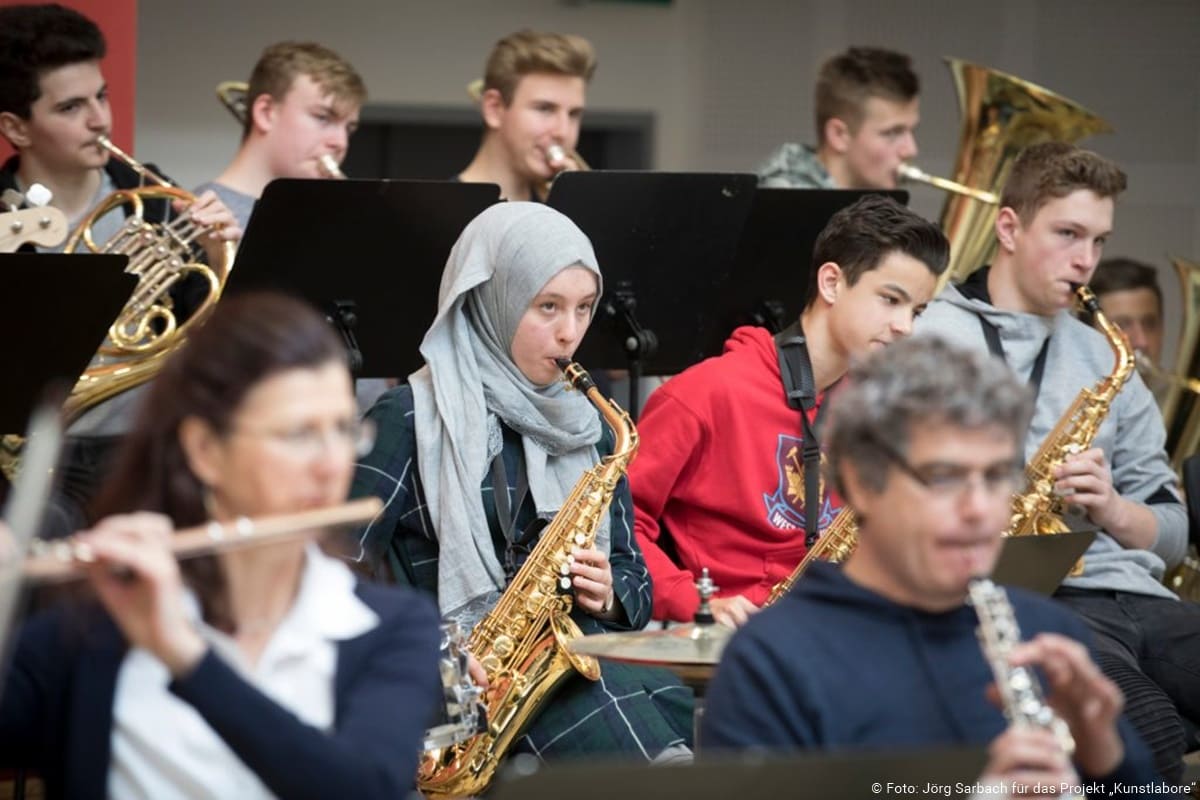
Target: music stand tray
(85, 290)
(369, 254)
(830, 776)
(1039, 563)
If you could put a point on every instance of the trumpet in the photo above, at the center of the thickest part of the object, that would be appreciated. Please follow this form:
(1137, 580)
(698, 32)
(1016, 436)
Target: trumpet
(907, 172)
(65, 559)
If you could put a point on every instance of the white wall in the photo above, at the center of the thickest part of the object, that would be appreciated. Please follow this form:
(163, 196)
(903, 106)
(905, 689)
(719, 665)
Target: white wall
(726, 80)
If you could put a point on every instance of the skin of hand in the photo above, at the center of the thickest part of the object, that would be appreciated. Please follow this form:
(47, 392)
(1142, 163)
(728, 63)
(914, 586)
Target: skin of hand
(1081, 695)
(592, 580)
(732, 611)
(137, 578)
(1084, 479)
(1028, 757)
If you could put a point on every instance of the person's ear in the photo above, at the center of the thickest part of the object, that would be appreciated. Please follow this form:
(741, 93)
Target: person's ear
(1008, 229)
(492, 107)
(838, 135)
(829, 281)
(263, 112)
(15, 130)
(203, 450)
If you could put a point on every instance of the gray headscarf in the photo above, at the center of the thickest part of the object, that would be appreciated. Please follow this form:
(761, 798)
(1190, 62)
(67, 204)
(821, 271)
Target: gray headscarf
(498, 265)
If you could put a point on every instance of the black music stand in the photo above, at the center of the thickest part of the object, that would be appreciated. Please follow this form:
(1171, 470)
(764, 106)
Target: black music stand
(830, 776)
(666, 244)
(85, 290)
(774, 257)
(1039, 563)
(369, 254)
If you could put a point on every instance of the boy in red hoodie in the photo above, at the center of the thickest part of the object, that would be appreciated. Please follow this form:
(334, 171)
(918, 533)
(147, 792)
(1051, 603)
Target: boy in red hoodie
(719, 479)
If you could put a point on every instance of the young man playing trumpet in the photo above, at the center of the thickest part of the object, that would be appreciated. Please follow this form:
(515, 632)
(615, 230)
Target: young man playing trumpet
(532, 104)
(302, 105)
(719, 482)
(924, 445)
(867, 112)
(1056, 212)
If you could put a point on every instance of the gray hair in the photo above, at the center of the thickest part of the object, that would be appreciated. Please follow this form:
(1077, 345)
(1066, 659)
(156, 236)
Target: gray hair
(919, 380)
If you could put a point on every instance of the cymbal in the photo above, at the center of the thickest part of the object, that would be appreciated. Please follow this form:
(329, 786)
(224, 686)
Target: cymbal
(681, 646)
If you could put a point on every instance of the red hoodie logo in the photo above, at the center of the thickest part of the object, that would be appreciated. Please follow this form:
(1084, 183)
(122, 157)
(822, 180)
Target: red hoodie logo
(786, 507)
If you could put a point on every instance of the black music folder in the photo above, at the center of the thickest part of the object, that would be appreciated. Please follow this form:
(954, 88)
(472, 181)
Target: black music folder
(1040, 563)
(947, 772)
(59, 311)
(369, 254)
(775, 251)
(666, 244)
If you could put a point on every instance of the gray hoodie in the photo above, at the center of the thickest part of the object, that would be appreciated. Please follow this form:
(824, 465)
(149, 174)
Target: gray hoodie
(1132, 435)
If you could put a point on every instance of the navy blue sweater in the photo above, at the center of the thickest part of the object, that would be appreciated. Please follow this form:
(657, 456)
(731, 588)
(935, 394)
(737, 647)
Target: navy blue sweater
(835, 666)
(57, 702)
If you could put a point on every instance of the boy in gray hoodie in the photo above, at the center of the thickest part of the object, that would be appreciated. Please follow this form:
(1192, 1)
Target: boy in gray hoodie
(1055, 213)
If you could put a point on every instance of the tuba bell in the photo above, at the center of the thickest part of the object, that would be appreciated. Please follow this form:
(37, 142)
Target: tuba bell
(1180, 409)
(1001, 116)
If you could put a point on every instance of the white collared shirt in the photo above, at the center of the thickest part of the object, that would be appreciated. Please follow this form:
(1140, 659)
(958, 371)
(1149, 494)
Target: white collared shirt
(163, 748)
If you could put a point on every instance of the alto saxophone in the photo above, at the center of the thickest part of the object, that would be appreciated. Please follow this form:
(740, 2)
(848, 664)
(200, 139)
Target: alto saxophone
(836, 544)
(1039, 509)
(521, 643)
(1019, 689)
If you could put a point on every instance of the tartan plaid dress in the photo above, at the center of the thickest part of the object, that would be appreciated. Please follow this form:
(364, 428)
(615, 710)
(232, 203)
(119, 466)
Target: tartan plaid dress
(632, 711)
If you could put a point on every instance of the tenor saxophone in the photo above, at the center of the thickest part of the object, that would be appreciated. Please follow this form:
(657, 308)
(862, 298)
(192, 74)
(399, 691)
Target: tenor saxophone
(1039, 509)
(836, 544)
(522, 642)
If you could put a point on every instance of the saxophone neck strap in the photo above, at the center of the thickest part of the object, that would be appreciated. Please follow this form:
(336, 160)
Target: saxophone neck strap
(507, 510)
(800, 391)
(992, 334)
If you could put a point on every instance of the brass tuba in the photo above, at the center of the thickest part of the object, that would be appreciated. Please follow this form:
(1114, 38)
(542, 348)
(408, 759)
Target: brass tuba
(160, 254)
(1180, 409)
(1001, 116)
(522, 642)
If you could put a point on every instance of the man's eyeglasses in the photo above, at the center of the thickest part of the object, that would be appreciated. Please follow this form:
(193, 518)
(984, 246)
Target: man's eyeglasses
(953, 480)
(310, 441)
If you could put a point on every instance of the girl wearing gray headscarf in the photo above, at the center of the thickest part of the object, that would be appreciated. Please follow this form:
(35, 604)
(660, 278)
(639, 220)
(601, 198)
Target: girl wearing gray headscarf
(489, 413)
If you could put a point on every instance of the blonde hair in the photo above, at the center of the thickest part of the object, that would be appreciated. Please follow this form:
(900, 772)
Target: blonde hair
(281, 63)
(525, 52)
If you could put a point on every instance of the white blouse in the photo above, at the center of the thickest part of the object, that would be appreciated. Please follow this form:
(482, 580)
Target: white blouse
(163, 748)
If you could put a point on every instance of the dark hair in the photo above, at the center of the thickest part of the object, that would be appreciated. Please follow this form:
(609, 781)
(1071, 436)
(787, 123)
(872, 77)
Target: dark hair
(915, 381)
(1056, 169)
(849, 79)
(281, 63)
(35, 39)
(1123, 274)
(858, 237)
(526, 52)
(248, 339)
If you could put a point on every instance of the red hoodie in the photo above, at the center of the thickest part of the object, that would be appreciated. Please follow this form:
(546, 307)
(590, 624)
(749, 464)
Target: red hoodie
(719, 474)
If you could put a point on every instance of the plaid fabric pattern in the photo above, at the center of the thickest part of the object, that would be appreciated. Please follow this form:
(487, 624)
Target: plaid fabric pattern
(794, 166)
(636, 711)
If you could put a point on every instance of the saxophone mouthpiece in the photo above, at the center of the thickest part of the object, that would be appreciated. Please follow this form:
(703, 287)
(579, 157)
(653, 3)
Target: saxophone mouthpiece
(563, 363)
